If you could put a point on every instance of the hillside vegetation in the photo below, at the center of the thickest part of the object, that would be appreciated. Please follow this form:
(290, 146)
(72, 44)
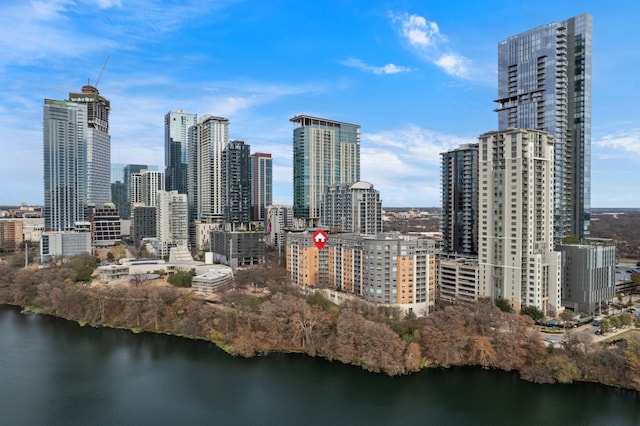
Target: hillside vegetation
(246, 323)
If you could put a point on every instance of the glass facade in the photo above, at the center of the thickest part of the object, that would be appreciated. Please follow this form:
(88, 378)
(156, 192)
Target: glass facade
(544, 83)
(325, 152)
(65, 164)
(459, 225)
(98, 144)
(176, 138)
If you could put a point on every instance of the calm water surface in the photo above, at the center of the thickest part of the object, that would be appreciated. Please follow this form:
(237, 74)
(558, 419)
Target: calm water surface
(54, 372)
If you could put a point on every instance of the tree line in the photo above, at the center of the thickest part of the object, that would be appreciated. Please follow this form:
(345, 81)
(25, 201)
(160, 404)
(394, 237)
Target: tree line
(277, 317)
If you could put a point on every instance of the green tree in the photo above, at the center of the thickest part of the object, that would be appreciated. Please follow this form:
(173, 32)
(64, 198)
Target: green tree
(82, 266)
(533, 312)
(318, 299)
(181, 279)
(503, 305)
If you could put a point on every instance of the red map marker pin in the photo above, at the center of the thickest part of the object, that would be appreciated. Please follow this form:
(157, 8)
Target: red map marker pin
(320, 238)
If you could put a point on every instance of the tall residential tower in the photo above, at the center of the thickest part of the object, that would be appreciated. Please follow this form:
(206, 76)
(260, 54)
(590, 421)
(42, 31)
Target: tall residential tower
(65, 164)
(98, 144)
(516, 258)
(544, 83)
(176, 138)
(207, 141)
(324, 152)
(261, 185)
(459, 223)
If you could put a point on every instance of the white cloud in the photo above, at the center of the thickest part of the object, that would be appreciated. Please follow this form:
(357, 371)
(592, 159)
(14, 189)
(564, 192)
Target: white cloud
(455, 65)
(385, 69)
(418, 31)
(404, 164)
(429, 43)
(626, 141)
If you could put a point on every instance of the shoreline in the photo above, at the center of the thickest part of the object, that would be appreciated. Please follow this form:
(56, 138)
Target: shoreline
(228, 349)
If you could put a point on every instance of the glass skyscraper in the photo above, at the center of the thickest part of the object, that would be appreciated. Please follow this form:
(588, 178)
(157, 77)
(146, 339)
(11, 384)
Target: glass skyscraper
(261, 185)
(459, 221)
(325, 152)
(544, 83)
(236, 182)
(98, 144)
(65, 164)
(207, 141)
(176, 139)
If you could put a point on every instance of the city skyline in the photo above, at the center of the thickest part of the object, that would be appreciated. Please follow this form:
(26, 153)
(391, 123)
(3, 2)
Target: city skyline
(419, 79)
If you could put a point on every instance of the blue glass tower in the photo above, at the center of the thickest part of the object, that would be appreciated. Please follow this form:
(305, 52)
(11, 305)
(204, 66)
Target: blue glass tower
(544, 83)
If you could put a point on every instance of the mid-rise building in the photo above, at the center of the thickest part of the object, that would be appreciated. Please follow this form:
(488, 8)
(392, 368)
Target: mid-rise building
(325, 152)
(279, 219)
(459, 220)
(261, 185)
(516, 257)
(589, 275)
(387, 268)
(238, 248)
(98, 140)
(544, 83)
(105, 225)
(172, 223)
(458, 279)
(176, 140)
(11, 235)
(352, 207)
(236, 183)
(65, 164)
(64, 244)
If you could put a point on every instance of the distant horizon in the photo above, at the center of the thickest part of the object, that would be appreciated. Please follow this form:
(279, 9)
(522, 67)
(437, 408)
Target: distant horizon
(6, 206)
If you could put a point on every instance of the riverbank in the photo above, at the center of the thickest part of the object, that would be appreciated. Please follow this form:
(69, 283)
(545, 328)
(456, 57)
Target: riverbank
(59, 373)
(374, 338)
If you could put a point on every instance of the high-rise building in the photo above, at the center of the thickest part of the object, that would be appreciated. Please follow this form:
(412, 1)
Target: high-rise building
(352, 207)
(324, 152)
(261, 185)
(544, 83)
(236, 182)
(65, 164)
(145, 186)
(516, 258)
(279, 220)
(207, 141)
(121, 186)
(459, 221)
(172, 226)
(144, 223)
(98, 144)
(176, 139)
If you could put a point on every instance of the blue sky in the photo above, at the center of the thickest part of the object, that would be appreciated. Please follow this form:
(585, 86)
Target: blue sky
(418, 76)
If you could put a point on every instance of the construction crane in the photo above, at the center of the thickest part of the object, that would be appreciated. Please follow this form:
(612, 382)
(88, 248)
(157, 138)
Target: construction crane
(101, 72)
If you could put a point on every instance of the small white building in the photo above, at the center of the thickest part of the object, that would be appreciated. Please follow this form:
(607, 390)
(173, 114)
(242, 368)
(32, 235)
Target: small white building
(216, 278)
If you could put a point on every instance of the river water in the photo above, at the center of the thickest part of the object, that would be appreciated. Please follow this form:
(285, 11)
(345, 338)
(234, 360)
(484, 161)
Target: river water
(54, 372)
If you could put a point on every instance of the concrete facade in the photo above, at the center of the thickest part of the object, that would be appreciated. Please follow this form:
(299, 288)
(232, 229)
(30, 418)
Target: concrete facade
(589, 275)
(516, 257)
